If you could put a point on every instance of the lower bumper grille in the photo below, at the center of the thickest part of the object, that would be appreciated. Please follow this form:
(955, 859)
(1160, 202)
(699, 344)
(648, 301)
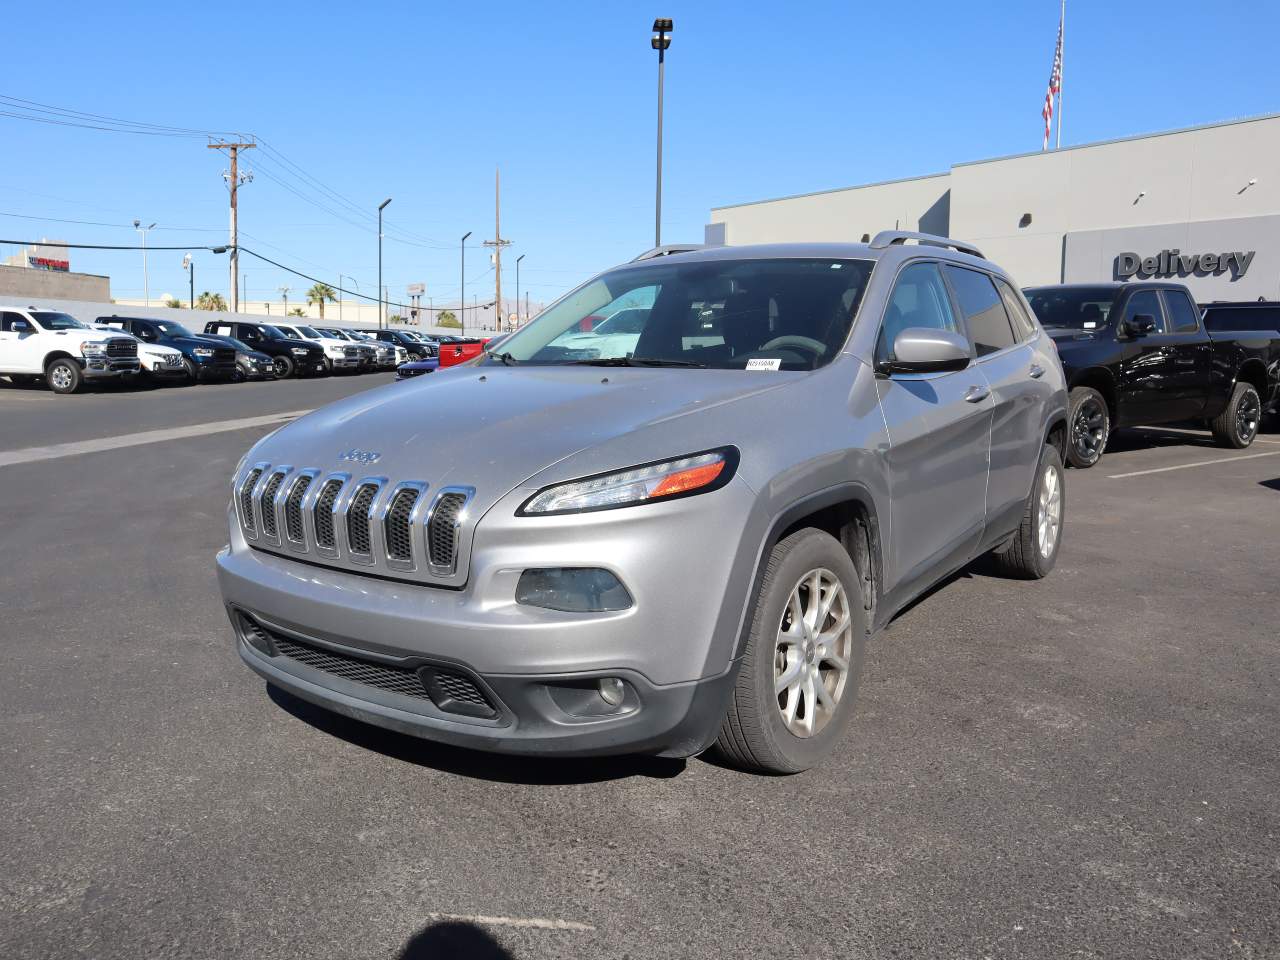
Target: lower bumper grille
(449, 690)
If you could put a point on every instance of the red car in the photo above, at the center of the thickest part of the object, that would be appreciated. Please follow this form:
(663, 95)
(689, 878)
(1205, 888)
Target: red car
(460, 351)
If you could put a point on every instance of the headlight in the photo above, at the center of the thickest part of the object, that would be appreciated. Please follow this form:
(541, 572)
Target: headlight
(663, 480)
(299, 351)
(203, 351)
(92, 349)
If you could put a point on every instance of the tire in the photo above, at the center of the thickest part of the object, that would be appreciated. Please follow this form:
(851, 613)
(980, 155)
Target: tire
(239, 376)
(284, 366)
(63, 376)
(1237, 425)
(1033, 552)
(754, 734)
(1088, 427)
(328, 367)
(193, 375)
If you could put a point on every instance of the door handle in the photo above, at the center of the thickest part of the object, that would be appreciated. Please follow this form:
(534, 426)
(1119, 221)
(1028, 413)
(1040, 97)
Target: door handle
(1190, 361)
(976, 394)
(1036, 371)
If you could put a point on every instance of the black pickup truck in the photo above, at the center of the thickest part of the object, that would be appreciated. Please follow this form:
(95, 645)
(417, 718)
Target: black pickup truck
(1138, 353)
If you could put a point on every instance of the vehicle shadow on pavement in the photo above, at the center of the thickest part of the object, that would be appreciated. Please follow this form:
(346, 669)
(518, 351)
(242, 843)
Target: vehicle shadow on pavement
(452, 939)
(1129, 439)
(500, 768)
(1272, 484)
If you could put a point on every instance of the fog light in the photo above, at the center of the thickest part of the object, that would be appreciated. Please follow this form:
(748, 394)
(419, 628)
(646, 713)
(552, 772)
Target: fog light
(612, 690)
(573, 590)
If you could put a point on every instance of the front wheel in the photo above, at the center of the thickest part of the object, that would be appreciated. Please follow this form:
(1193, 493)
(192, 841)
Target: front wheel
(1090, 427)
(799, 673)
(1033, 552)
(1237, 425)
(64, 376)
(284, 367)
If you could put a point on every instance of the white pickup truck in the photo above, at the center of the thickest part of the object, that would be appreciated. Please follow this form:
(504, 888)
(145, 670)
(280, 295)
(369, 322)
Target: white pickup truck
(45, 343)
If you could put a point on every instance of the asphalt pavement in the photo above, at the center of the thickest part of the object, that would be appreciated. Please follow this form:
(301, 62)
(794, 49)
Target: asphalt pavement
(1083, 766)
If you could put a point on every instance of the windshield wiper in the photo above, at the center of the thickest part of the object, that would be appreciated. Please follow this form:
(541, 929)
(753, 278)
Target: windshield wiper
(507, 359)
(634, 362)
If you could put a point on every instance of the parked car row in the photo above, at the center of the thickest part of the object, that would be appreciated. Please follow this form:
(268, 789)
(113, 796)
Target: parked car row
(43, 344)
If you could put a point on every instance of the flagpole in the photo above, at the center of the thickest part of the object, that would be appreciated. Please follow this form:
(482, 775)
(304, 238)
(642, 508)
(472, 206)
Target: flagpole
(1062, 25)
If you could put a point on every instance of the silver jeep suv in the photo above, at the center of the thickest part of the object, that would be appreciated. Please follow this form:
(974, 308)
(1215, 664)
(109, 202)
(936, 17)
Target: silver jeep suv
(660, 540)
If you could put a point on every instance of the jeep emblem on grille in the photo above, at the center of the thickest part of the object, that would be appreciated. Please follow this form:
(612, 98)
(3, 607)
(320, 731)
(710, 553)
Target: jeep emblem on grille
(360, 456)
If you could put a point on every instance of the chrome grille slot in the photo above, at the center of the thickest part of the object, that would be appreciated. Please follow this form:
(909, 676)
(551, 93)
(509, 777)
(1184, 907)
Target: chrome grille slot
(267, 504)
(246, 499)
(358, 535)
(293, 526)
(442, 530)
(324, 513)
(396, 526)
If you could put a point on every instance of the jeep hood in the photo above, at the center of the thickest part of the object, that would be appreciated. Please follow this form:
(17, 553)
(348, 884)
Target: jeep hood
(493, 428)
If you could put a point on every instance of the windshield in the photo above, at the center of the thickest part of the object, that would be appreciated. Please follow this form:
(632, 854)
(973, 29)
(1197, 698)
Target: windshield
(357, 335)
(788, 314)
(238, 344)
(172, 329)
(273, 333)
(1071, 308)
(309, 332)
(335, 334)
(57, 321)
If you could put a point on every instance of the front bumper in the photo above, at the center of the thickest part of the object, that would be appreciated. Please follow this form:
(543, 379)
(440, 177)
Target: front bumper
(163, 371)
(213, 370)
(104, 367)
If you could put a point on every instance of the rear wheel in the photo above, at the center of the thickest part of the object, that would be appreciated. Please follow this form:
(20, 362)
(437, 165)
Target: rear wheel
(1237, 425)
(1090, 427)
(63, 376)
(799, 673)
(1033, 552)
(284, 367)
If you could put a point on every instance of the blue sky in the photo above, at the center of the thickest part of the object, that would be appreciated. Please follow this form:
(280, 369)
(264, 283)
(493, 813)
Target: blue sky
(420, 101)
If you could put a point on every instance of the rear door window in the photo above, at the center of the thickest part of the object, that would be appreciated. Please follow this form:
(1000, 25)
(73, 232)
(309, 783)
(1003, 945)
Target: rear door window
(989, 326)
(1182, 312)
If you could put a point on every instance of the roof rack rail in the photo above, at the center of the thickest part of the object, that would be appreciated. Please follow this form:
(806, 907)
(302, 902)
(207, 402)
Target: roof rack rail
(886, 238)
(667, 249)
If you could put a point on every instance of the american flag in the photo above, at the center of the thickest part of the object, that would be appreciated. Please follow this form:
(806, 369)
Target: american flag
(1055, 87)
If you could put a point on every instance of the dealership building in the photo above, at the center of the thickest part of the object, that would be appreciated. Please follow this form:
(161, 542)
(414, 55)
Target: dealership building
(1200, 206)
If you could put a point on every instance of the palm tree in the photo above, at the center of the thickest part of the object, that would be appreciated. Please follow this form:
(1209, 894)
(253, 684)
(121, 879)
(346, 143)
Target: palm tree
(319, 293)
(297, 312)
(210, 301)
(447, 319)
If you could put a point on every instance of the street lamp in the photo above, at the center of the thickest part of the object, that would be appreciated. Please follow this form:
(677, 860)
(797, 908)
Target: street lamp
(284, 294)
(518, 259)
(189, 265)
(660, 42)
(340, 279)
(462, 288)
(382, 308)
(146, 286)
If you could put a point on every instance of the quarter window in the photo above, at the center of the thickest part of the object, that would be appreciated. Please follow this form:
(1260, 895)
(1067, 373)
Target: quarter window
(919, 299)
(1023, 325)
(1182, 315)
(989, 327)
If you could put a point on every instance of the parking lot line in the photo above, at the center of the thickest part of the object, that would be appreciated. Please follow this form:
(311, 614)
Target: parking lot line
(1188, 466)
(54, 451)
(536, 922)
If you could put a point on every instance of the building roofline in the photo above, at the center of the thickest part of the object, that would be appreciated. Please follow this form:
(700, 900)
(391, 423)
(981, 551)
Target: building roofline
(1137, 136)
(819, 193)
(1010, 156)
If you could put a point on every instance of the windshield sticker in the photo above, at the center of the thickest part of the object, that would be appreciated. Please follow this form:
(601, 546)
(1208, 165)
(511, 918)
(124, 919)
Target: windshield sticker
(764, 364)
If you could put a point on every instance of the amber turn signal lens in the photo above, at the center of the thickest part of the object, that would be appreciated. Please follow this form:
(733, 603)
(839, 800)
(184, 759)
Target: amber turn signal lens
(687, 480)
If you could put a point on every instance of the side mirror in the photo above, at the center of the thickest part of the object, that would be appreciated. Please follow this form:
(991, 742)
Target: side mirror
(21, 326)
(927, 350)
(1140, 324)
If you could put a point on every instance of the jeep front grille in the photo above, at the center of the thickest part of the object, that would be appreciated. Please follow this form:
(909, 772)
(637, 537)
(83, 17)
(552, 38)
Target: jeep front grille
(442, 530)
(369, 525)
(358, 519)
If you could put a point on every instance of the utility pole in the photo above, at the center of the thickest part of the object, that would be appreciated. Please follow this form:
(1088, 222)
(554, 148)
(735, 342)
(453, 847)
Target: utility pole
(146, 283)
(518, 259)
(284, 292)
(462, 288)
(189, 264)
(234, 181)
(497, 243)
(382, 301)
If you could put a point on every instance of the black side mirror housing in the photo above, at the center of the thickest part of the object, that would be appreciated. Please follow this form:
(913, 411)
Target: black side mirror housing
(21, 326)
(1140, 325)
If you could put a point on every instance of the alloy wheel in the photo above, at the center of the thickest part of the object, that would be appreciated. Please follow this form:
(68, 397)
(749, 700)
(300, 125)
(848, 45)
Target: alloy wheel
(812, 654)
(281, 365)
(60, 377)
(1089, 429)
(1248, 415)
(1050, 522)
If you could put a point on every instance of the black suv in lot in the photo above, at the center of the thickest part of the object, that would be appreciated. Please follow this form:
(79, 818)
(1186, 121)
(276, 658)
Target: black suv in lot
(1138, 353)
(289, 356)
(418, 349)
(204, 357)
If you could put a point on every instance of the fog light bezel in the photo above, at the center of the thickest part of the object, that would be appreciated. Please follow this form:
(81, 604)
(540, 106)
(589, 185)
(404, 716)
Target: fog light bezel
(544, 596)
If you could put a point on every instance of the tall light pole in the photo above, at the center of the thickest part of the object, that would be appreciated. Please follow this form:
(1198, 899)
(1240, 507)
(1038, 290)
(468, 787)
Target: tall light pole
(518, 259)
(462, 288)
(660, 42)
(284, 293)
(341, 278)
(189, 265)
(146, 284)
(382, 307)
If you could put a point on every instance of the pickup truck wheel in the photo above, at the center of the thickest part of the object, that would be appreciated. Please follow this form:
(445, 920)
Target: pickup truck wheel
(1237, 425)
(284, 367)
(63, 376)
(1090, 427)
(799, 673)
(1034, 549)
